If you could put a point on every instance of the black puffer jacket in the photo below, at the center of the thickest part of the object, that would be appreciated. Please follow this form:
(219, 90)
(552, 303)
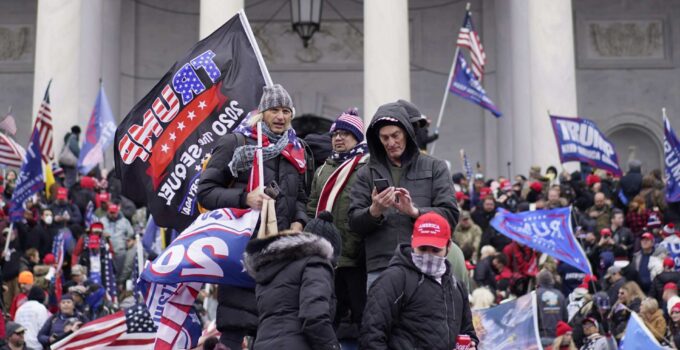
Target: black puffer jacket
(219, 189)
(426, 178)
(294, 291)
(409, 310)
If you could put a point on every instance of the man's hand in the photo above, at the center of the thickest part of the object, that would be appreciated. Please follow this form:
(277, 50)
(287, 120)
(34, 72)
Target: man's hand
(254, 199)
(381, 201)
(296, 226)
(404, 203)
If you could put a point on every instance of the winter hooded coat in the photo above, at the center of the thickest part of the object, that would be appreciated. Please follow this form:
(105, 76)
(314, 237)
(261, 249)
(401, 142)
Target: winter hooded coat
(407, 309)
(426, 178)
(294, 291)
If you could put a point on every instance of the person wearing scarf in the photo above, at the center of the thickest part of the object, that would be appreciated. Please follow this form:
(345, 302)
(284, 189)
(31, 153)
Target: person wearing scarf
(417, 303)
(223, 185)
(331, 192)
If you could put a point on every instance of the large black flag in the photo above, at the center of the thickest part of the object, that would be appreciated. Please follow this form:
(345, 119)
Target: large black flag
(161, 142)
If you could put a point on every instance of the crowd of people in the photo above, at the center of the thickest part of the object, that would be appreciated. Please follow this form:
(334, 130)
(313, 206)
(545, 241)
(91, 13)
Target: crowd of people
(381, 248)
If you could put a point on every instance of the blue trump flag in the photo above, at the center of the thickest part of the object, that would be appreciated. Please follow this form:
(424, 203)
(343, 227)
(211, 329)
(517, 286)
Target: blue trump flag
(466, 86)
(548, 231)
(99, 134)
(580, 140)
(210, 250)
(508, 326)
(671, 149)
(30, 179)
(637, 336)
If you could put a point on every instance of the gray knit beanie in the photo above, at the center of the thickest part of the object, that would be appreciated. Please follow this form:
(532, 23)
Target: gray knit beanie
(275, 96)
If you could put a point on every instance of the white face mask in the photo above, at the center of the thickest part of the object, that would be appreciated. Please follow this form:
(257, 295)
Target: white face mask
(429, 264)
(49, 220)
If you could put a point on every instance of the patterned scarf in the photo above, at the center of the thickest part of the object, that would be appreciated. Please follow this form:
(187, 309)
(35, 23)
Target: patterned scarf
(286, 145)
(429, 264)
(360, 148)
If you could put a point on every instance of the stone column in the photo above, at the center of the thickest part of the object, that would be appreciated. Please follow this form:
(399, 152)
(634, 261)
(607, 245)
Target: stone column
(68, 51)
(386, 54)
(536, 73)
(214, 13)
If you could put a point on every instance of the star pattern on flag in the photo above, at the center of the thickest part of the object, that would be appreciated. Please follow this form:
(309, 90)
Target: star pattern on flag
(173, 137)
(165, 148)
(138, 320)
(181, 126)
(191, 115)
(197, 168)
(201, 105)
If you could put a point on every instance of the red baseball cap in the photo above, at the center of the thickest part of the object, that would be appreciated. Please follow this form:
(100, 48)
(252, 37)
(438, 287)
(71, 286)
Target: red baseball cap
(97, 225)
(114, 209)
(536, 186)
(676, 307)
(668, 262)
(670, 286)
(431, 229)
(484, 191)
(647, 235)
(461, 196)
(88, 182)
(62, 193)
(605, 232)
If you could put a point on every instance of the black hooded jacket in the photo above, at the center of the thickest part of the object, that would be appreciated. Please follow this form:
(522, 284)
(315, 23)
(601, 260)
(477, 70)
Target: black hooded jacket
(426, 178)
(407, 309)
(294, 291)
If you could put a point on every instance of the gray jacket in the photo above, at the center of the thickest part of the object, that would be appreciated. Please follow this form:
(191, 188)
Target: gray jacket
(426, 178)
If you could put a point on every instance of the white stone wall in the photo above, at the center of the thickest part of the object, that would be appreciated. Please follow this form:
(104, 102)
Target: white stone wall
(328, 77)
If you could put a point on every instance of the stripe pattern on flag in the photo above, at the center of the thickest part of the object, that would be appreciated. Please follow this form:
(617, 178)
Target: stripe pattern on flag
(44, 125)
(336, 183)
(129, 329)
(11, 154)
(468, 38)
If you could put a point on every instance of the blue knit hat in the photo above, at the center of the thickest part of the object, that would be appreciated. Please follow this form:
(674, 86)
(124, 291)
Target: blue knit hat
(350, 121)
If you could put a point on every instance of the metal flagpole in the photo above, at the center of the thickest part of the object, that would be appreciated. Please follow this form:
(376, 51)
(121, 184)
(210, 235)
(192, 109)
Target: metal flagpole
(258, 154)
(446, 89)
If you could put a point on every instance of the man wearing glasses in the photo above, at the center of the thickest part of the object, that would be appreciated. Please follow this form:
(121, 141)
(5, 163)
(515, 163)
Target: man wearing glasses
(15, 336)
(331, 192)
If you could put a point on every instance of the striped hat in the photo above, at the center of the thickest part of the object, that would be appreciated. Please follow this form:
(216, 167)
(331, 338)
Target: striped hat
(350, 121)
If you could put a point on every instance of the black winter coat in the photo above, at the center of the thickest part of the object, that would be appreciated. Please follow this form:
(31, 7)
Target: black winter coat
(409, 310)
(219, 189)
(631, 183)
(660, 280)
(294, 291)
(484, 274)
(426, 178)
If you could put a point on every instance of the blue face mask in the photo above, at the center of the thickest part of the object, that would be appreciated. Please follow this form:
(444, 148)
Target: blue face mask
(431, 265)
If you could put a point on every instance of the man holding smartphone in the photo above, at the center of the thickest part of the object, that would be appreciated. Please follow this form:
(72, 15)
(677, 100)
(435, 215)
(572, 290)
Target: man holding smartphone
(416, 183)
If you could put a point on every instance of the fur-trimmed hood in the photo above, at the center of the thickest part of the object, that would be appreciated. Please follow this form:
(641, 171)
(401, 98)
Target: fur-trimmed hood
(278, 251)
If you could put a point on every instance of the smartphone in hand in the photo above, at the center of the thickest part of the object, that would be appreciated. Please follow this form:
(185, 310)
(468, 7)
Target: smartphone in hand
(381, 184)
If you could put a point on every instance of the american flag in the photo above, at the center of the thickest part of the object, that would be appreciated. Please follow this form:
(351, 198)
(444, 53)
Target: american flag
(9, 125)
(468, 38)
(58, 252)
(131, 329)
(11, 154)
(110, 277)
(44, 124)
(468, 173)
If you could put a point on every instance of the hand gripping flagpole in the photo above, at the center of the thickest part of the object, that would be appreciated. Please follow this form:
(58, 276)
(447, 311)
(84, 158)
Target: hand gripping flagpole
(7, 239)
(446, 88)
